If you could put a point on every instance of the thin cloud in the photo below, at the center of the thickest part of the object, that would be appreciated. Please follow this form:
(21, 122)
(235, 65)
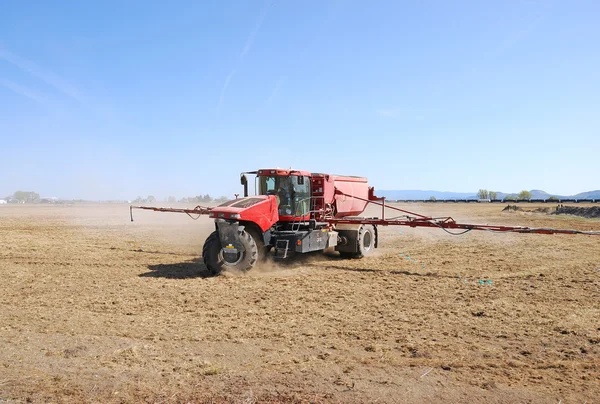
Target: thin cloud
(275, 91)
(48, 77)
(224, 89)
(24, 91)
(514, 38)
(252, 36)
(245, 50)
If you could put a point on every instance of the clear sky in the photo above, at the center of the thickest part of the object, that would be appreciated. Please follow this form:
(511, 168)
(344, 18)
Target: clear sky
(115, 99)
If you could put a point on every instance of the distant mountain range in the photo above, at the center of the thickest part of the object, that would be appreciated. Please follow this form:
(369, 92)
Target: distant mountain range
(421, 195)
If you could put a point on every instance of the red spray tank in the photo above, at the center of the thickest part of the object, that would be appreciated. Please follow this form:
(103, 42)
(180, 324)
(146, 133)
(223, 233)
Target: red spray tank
(324, 188)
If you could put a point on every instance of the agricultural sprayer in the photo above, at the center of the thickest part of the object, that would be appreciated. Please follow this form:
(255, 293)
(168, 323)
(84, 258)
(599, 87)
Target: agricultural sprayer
(296, 212)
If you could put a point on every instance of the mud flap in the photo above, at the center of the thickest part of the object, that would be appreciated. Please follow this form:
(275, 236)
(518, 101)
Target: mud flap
(350, 241)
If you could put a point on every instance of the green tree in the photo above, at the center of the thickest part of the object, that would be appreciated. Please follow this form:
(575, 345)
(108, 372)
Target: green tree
(432, 198)
(525, 195)
(553, 198)
(150, 199)
(222, 199)
(493, 195)
(25, 196)
(20, 196)
(510, 198)
(482, 194)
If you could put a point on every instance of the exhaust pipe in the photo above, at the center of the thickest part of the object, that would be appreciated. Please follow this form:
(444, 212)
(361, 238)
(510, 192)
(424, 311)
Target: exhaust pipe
(244, 181)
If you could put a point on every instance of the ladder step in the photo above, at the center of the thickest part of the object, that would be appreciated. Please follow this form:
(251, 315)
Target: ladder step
(281, 248)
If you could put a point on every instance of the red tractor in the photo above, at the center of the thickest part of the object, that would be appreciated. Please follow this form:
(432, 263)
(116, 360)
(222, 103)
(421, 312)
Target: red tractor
(291, 213)
(296, 212)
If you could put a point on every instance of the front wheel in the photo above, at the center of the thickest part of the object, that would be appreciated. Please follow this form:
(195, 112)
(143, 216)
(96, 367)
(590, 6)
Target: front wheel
(217, 262)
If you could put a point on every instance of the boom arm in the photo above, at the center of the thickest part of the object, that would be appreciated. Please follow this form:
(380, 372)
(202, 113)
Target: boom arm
(449, 223)
(198, 210)
(445, 223)
(409, 219)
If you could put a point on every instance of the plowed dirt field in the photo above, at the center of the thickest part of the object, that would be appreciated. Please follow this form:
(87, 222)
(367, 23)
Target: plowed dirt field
(94, 308)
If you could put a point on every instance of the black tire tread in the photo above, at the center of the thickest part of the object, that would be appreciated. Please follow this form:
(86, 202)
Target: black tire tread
(211, 249)
(210, 240)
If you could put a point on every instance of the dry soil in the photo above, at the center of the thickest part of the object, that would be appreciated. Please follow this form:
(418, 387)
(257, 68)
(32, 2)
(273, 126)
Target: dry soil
(94, 308)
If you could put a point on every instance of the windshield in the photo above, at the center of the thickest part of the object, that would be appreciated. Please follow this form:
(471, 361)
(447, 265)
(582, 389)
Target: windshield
(293, 193)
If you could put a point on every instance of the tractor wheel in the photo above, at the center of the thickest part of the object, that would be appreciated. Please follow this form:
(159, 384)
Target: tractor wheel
(216, 263)
(366, 243)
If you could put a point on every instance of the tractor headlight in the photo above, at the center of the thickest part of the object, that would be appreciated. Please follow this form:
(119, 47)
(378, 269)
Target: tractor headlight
(211, 214)
(235, 216)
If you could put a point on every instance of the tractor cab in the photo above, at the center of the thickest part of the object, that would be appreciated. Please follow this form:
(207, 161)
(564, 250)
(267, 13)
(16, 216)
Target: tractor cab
(291, 188)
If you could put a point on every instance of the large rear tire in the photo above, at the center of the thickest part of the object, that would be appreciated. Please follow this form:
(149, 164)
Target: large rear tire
(216, 262)
(366, 243)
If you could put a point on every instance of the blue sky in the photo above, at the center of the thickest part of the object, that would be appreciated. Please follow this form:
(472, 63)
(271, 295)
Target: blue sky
(112, 99)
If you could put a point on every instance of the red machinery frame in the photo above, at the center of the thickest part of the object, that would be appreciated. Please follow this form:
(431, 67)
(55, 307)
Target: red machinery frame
(410, 219)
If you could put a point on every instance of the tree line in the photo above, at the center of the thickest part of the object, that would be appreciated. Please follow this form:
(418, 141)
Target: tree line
(523, 195)
(484, 194)
(23, 197)
(190, 199)
(34, 197)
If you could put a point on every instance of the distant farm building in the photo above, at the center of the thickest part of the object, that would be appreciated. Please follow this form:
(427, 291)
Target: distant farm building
(51, 199)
